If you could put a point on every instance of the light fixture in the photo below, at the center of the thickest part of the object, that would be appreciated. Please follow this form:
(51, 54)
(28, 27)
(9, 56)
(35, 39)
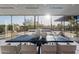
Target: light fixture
(47, 16)
(6, 7)
(31, 7)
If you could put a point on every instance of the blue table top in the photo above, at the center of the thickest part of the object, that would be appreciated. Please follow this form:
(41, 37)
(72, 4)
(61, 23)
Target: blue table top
(34, 39)
(24, 38)
(59, 38)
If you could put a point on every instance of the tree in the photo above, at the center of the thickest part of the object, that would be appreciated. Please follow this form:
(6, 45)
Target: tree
(60, 27)
(16, 27)
(53, 27)
(10, 27)
(73, 24)
(2, 28)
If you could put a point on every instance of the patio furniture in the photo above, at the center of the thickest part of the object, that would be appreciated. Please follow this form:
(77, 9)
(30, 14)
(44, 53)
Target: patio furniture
(37, 32)
(58, 39)
(48, 49)
(28, 49)
(8, 49)
(36, 40)
(26, 38)
(43, 34)
(66, 49)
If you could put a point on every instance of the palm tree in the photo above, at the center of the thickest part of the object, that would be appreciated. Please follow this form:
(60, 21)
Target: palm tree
(73, 25)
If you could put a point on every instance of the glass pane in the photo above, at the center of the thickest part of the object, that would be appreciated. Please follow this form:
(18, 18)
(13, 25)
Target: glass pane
(29, 25)
(4, 28)
(57, 24)
(17, 25)
(5, 32)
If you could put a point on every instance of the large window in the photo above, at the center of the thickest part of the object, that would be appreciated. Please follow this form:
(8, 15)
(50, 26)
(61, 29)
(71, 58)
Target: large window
(5, 21)
(18, 26)
(12, 26)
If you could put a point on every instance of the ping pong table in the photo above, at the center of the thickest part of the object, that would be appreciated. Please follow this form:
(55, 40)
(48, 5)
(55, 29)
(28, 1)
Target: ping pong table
(39, 41)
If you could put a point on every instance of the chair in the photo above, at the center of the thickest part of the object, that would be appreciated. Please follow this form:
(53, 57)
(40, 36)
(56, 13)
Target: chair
(48, 49)
(44, 34)
(36, 33)
(28, 49)
(8, 49)
(43, 37)
(66, 49)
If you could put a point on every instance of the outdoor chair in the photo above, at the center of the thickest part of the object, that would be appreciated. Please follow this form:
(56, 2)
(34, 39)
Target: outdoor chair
(37, 33)
(8, 49)
(43, 39)
(28, 49)
(48, 49)
(43, 34)
(66, 49)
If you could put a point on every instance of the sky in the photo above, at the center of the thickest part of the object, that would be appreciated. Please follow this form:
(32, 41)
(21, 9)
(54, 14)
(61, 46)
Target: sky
(45, 21)
(20, 19)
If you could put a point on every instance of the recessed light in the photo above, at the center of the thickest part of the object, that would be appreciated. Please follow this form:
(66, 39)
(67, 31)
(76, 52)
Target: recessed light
(6, 7)
(56, 7)
(32, 7)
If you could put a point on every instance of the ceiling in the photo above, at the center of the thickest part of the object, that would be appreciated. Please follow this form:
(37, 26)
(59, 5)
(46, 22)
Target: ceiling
(39, 9)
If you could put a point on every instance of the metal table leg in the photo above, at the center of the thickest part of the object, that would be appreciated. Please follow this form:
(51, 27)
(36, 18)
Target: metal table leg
(57, 48)
(20, 47)
(38, 52)
(39, 47)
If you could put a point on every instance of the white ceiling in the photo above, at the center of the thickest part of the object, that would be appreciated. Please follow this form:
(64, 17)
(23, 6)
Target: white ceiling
(39, 9)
